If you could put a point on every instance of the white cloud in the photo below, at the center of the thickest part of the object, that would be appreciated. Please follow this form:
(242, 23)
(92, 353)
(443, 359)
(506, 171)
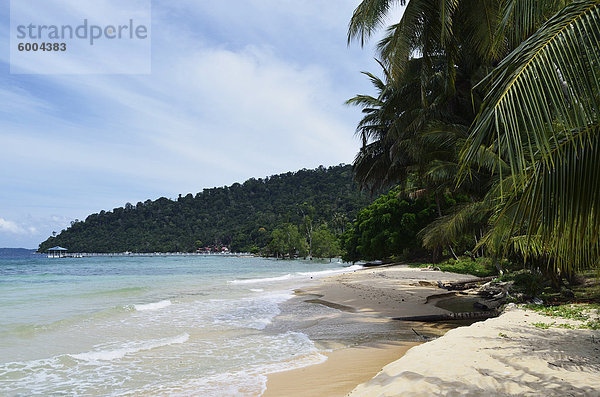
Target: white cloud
(10, 227)
(234, 113)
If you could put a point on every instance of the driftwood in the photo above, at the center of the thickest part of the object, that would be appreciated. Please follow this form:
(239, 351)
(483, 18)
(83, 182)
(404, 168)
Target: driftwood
(373, 264)
(467, 284)
(451, 316)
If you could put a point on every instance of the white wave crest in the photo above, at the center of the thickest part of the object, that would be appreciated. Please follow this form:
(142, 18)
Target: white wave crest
(153, 306)
(261, 280)
(129, 348)
(298, 275)
(331, 272)
(253, 312)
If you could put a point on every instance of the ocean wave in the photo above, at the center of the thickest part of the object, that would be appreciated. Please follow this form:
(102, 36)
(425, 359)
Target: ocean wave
(254, 312)
(288, 351)
(331, 272)
(129, 348)
(298, 275)
(261, 280)
(153, 306)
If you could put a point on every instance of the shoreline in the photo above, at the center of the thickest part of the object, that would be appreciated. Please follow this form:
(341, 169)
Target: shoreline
(502, 356)
(363, 304)
(343, 370)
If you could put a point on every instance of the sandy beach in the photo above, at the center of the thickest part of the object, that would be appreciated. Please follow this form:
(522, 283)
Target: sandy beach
(342, 371)
(502, 356)
(366, 300)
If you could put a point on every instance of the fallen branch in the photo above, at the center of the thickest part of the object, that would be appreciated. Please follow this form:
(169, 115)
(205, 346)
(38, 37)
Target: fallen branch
(467, 284)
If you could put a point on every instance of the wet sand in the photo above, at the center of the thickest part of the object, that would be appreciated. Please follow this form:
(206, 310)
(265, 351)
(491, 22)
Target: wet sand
(343, 370)
(363, 304)
(504, 356)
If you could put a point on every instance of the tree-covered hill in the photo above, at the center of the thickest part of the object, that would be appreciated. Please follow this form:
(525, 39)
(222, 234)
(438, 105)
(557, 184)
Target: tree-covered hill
(240, 216)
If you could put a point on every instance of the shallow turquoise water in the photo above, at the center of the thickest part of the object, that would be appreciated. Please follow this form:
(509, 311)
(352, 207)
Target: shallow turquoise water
(148, 325)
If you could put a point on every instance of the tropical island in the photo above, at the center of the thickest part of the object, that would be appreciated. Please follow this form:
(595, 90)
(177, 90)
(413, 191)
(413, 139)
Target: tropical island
(480, 155)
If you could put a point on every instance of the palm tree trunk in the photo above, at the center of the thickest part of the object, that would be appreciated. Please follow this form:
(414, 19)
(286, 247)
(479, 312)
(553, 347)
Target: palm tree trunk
(453, 254)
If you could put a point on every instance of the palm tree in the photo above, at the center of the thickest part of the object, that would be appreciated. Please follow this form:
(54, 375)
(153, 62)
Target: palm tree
(390, 122)
(415, 142)
(542, 114)
(531, 68)
(413, 130)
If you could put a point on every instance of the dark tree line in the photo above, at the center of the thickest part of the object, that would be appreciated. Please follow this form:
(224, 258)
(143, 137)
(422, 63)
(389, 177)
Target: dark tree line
(241, 216)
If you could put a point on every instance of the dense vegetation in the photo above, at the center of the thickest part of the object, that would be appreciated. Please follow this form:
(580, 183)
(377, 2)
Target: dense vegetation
(388, 227)
(486, 100)
(242, 217)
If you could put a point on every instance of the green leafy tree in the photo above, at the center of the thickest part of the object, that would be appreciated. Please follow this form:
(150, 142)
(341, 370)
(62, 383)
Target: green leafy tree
(325, 244)
(308, 212)
(288, 241)
(388, 227)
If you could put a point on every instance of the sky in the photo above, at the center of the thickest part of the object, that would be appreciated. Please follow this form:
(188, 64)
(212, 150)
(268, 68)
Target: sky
(236, 89)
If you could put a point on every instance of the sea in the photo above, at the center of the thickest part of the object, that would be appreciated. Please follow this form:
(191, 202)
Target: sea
(139, 326)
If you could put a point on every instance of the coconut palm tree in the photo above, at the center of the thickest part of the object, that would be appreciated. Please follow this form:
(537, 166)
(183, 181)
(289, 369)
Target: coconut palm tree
(541, 114)
(388, 130)
(531, 68)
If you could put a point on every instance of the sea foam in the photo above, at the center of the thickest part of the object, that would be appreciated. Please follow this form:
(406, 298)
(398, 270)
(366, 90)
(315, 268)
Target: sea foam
(129, 348)
(298, 275)
(288, 351)
(153, 306)
(262, 280)
(253, 312)
(331, 272)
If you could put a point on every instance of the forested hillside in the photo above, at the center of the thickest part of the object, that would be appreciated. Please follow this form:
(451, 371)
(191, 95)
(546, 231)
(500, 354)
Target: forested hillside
(241, 216)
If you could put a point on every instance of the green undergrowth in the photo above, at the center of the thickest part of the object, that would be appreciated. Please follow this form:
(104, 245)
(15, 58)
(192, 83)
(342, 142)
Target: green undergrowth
(583, 288)
(588, 288)
(480, 267)
(526, 282)
(586, 313)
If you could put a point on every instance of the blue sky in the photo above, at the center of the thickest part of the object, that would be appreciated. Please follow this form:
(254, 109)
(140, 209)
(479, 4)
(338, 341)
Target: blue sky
(238, 89)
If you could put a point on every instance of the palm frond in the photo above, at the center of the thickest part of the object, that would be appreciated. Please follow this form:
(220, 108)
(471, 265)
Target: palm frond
(448, 229)
(562, 205)
(368, 17)
(544, 90)
(520, 18)
(482, 17)
(447, 10)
